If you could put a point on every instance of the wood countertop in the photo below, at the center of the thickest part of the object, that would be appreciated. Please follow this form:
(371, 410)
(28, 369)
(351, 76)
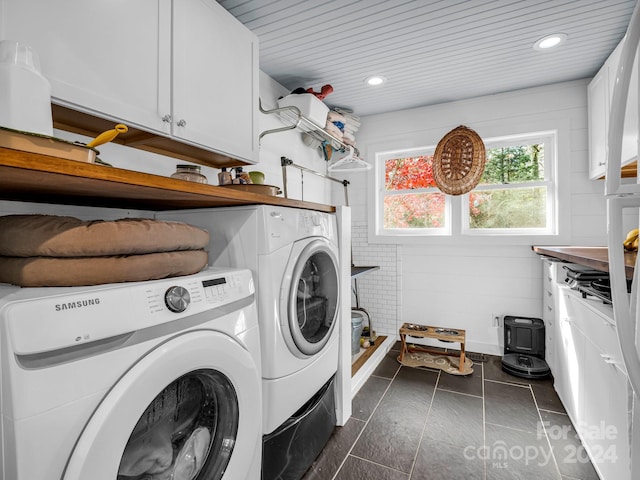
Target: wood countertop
(593, 257)
(32, 177)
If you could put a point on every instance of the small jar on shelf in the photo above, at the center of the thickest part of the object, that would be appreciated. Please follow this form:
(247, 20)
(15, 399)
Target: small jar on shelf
(190, 173)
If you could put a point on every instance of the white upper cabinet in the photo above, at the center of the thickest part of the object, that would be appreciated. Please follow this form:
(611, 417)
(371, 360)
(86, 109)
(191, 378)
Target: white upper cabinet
(105, 58)
(600, 93)
(215, 79)
(185, 69)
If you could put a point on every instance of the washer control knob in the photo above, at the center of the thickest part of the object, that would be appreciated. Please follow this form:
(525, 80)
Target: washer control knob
(316, 219)
(177, 299)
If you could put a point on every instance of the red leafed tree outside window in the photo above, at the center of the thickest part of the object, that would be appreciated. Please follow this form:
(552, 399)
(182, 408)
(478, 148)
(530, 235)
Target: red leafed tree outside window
(420, 206)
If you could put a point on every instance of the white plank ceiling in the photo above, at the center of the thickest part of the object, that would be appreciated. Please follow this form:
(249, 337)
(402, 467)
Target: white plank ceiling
(430, 51)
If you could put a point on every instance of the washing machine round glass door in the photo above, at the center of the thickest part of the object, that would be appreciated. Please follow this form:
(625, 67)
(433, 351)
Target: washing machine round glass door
(185, 411)
(313, 297)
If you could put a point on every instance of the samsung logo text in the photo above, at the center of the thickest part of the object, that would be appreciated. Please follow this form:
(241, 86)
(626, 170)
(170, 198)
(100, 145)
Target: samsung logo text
(77, 304)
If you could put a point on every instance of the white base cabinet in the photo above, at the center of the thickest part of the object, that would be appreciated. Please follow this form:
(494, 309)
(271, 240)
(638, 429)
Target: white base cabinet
(549, 309)
(185, 69)
(602, 419)
(589, 374)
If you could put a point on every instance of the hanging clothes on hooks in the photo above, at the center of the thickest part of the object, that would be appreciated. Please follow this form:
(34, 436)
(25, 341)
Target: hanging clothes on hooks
(351, 162)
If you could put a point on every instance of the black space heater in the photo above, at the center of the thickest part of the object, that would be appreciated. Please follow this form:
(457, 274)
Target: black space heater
(524, 347)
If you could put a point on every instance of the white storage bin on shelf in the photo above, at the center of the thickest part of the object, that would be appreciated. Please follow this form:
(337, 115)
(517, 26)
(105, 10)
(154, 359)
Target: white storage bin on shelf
(25, 95)
(309, 105)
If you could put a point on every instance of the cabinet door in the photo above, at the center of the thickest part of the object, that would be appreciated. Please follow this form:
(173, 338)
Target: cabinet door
(569, 382)
(215, 79)
(598, 100)
(630, 133)
(602, 418)
(600, 93)
(102, 58)
(604, 424)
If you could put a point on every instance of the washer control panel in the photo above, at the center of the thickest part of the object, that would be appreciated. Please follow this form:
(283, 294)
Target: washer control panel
(41, 320)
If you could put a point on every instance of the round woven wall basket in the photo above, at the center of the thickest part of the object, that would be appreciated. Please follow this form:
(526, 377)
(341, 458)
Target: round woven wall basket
(458, 162)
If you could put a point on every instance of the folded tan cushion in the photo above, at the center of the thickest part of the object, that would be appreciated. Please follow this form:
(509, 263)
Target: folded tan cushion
(58, 236)
(68, 272)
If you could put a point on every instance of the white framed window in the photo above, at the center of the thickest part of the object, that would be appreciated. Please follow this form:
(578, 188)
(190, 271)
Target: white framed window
(517, 195)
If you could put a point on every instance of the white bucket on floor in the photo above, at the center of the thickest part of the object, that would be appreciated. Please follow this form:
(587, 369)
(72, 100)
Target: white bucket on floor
(356, 332)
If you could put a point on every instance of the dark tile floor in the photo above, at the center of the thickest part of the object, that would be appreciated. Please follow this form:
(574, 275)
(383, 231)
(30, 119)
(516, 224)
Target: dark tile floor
(414, 424)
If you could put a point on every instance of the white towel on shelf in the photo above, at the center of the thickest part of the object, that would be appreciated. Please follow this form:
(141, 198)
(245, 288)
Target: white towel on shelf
(334, 116)
(333, 130)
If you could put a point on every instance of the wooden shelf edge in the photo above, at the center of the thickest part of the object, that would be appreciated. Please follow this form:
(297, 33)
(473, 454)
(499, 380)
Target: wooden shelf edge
(41, 178)
(593, 257)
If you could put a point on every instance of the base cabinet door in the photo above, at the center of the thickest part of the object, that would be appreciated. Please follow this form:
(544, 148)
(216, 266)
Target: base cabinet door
(569, 379)
(601, 416)
(604, 426)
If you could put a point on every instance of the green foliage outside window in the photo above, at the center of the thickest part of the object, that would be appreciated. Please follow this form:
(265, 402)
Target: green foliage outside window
(523, 163)
(516, 207)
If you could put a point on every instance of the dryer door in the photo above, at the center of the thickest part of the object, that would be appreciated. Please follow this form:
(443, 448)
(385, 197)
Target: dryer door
(186, 410)
(313, 296)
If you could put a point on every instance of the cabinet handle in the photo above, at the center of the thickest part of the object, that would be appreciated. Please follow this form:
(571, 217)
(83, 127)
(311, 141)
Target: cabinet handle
(166, 119)
(550, 279)
(608, 359)
(182, 123)
(549, 293)
(549, 308)
(600, 164)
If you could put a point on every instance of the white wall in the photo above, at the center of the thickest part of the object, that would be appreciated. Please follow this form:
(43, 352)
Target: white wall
(464, 285)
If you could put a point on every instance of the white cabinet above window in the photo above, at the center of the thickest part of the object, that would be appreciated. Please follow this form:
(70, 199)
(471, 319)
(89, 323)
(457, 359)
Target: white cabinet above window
(185, 70)
(600, 93)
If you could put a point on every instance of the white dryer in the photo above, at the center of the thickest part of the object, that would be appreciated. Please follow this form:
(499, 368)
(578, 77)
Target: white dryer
(294, 256)
(152, 380)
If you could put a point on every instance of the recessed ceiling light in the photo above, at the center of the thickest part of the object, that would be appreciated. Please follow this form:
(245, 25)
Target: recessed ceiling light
(550, 41)
(375, 80)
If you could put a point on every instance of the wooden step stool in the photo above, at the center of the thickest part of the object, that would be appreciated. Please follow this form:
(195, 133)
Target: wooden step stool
(439, 333)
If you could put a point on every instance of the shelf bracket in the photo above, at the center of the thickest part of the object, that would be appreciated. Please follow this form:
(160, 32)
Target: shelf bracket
(286, 128)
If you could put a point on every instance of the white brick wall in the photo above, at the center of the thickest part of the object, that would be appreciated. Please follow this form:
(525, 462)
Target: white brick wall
(377, 290)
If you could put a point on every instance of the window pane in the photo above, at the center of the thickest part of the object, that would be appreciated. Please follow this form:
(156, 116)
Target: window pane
(417, 210)
(518, 164)
(510, 208)
(409, 173)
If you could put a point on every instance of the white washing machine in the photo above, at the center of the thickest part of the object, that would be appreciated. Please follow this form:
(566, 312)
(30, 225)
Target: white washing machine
(147, 380)
(294, 256)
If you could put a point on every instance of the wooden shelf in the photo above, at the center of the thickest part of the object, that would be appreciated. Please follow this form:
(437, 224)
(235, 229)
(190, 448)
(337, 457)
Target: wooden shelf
(357, 271)
(38, 178)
